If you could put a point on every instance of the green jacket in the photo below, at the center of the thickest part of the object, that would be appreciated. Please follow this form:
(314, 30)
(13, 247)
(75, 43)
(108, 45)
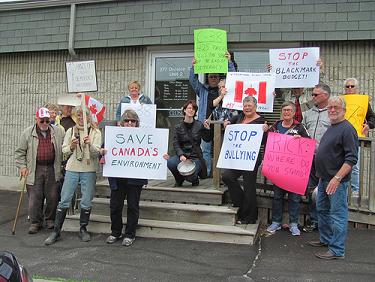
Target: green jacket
(25, 154)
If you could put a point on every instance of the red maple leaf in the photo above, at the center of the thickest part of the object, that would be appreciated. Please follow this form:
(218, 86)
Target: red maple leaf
(93, 109)
(250, 91)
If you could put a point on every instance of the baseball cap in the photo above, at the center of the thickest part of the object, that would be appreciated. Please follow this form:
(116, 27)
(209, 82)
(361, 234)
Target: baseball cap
(43, 113)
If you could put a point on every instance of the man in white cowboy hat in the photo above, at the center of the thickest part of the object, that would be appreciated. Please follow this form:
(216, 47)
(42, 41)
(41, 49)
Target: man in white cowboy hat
(38, 157)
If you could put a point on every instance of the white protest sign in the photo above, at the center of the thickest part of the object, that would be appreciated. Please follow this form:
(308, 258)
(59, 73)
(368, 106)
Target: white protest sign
(295, 67)
(242, 84)
(69, 99)
(81, 76)
(134, 152)
(240, 147)
(145, 112)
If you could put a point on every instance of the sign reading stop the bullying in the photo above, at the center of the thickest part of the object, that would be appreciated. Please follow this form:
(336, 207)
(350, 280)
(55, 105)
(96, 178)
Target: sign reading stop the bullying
(242, 84)
(295, 67)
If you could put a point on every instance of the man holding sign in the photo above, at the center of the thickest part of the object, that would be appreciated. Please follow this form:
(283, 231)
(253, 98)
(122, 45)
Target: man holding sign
(363, 121)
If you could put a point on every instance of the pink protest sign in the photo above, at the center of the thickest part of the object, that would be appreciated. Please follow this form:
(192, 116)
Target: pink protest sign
(287, 161)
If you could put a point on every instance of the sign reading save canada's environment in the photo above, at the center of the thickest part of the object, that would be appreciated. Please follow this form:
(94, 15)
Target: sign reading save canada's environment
(81, 76)
(210, 46)
(134, 152)
(145, 112)
(240, 147)
(295, 67)
(287, 161)
(242, 84)
(356, 109)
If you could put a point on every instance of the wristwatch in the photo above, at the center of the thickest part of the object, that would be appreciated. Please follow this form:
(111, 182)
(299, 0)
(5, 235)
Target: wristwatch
(338, 178)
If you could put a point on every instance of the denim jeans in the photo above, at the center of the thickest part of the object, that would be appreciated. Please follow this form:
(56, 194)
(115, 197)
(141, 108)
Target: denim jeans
(277, 205)
(333, 217)
(355, 174)
(172, 166)
(88, 183)
(206, 152)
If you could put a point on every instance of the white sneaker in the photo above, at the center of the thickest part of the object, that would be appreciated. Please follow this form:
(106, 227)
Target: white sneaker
(128, 241)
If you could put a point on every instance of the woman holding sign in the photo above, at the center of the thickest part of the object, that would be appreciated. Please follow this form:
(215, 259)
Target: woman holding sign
(82, 151)
(186, 142)
(135, 97)
(287, 125)
(245, 198)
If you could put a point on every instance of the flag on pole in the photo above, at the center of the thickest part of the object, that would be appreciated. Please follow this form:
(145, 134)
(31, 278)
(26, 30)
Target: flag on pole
(96, 109)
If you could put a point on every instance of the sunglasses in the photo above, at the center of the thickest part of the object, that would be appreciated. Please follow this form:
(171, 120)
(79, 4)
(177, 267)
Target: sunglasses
(314, 95)
(42, 120)
(130, 120)
(349, 86)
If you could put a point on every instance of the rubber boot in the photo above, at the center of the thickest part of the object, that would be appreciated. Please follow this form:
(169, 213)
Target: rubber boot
(59, 221)
(83, 222)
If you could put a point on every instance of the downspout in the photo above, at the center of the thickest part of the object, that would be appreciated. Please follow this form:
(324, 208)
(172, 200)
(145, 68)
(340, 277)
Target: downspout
(72, 29)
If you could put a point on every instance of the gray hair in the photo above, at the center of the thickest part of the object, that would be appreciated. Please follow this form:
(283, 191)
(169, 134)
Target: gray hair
(324, 87)
(289, 103)
(338, 99)
(351, 79)
(250, 99)
(78, 110)
(130, 114)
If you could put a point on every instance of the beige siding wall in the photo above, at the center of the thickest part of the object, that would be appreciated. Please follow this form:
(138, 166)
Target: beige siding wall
(28, 80)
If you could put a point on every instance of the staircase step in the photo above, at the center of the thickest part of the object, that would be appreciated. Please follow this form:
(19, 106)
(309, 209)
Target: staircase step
(244, 234)
(175, 212)
(168, 194)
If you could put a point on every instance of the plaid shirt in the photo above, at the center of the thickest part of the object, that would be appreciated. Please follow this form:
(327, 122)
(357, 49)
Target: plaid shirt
(46, 151)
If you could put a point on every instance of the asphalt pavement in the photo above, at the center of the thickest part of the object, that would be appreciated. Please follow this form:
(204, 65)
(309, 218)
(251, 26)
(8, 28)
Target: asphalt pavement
(280, 257)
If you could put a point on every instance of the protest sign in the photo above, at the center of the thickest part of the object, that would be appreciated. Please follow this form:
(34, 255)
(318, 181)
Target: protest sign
(356, 109)
(135, 152)
(210, 46)
(287, 161)
(240, 147)
(295, 67)
(242, 84)
(69, 100)
(146, 113)
(81, 76)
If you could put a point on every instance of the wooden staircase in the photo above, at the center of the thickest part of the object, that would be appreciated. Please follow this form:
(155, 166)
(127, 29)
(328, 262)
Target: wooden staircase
(188, 213)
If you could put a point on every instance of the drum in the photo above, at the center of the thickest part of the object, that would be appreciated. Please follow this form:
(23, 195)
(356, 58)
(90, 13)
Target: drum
(186, 168)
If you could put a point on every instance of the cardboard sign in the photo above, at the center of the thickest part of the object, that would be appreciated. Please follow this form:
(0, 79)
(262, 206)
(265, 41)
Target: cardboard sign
(81, 76)
(134, 152)
(287, 161)
(295, 67)
(240, 147)
(210, 46)
(69, 100)
(242, 84)
(356, 109)
(146, 113)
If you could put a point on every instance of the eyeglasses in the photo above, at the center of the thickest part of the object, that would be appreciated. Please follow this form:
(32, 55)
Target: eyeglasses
(335, 108)
(42, 120)
(130, 120)
(349, 86)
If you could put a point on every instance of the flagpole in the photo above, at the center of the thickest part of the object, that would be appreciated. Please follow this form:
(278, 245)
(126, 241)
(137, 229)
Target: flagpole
(84, 115)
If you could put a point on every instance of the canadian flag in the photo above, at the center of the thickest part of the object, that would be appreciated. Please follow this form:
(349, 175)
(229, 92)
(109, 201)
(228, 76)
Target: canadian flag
(96, 108)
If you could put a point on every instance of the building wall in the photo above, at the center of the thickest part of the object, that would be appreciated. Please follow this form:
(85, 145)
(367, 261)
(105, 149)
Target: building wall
(154, 22)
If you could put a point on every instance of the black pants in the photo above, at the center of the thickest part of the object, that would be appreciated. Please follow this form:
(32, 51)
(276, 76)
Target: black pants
(246, 198)
(132, 194)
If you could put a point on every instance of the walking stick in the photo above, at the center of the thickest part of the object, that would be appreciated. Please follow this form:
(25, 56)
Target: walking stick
(19, 205)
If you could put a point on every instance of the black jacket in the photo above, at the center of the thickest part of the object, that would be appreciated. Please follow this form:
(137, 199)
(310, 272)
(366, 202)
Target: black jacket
(296, 129)
(181, 140)
(370, 117)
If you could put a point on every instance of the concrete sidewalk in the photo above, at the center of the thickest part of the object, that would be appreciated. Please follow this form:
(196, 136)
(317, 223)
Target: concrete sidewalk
(280, 257)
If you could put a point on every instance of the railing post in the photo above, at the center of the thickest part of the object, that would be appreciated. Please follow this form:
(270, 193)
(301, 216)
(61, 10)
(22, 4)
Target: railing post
(217, 147)
(371, 184)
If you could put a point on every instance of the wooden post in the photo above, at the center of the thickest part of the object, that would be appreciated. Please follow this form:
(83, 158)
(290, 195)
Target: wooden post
(371, 184)
(217, 147)
(85, 131)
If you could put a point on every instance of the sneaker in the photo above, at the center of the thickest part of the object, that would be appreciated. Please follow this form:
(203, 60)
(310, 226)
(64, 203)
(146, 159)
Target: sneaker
(273, 227)
(195, 183)
(128, 241)
(310, 227)
(293, 228)
(112, 239)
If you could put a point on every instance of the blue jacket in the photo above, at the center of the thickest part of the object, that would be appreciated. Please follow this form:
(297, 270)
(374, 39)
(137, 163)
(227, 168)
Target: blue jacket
(202, 91)
(126, 99)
